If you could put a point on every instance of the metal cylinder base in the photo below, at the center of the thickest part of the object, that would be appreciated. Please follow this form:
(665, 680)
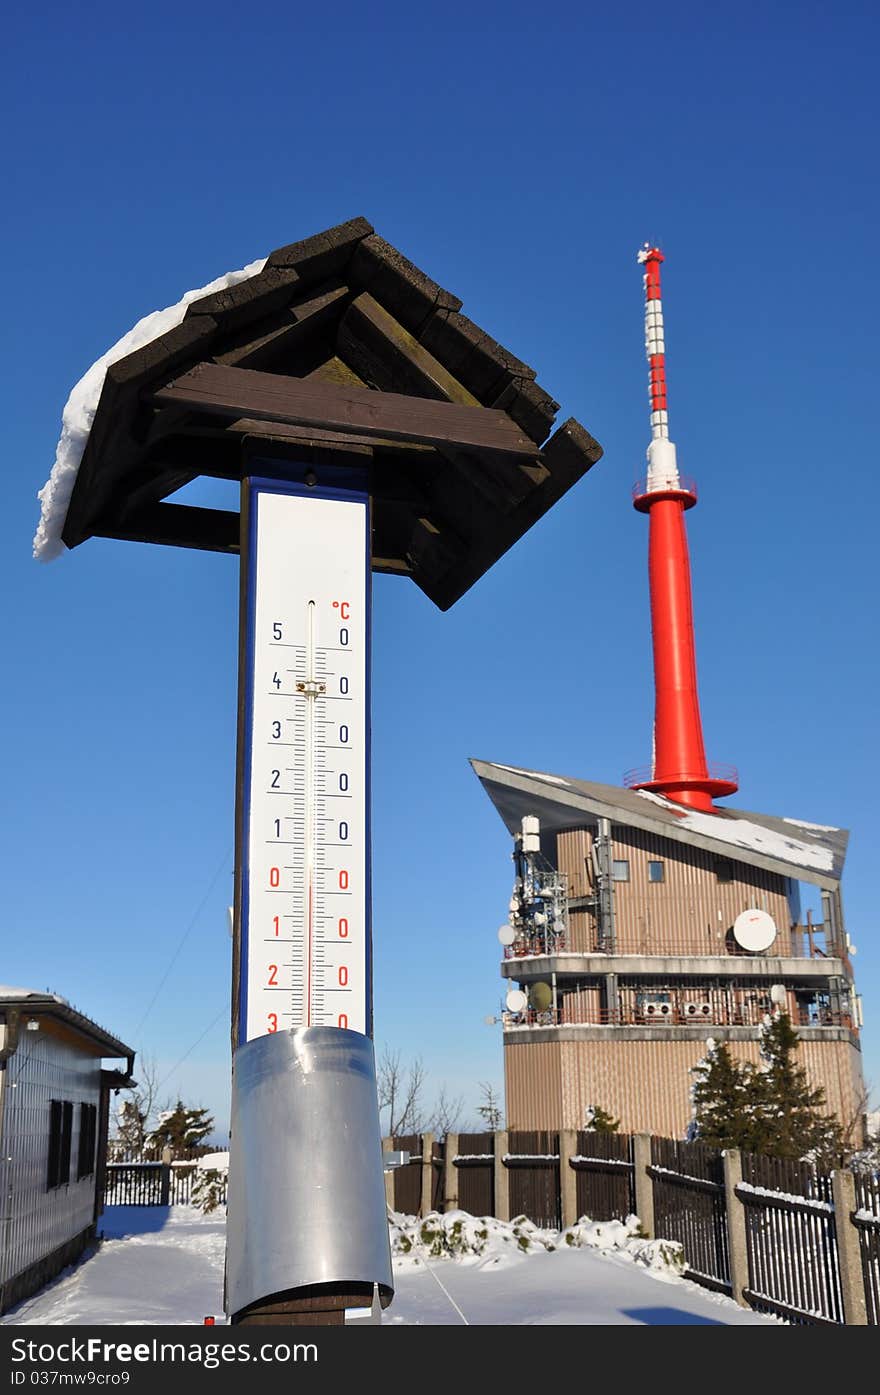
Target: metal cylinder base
(307, 1213)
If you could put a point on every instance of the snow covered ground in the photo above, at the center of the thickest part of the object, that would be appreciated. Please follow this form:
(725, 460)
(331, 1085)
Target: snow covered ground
(163, 1265)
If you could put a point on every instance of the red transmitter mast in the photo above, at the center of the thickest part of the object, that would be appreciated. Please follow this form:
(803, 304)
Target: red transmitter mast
(679, 770)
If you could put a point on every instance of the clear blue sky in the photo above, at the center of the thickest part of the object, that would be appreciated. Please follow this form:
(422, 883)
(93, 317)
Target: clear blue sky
(520, 155)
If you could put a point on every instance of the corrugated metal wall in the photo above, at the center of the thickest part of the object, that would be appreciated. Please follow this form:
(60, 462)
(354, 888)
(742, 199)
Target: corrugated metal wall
(533, 1085)
(645, 1084)
(573, 857)
(579, 1004)
(581, 932)
(36, 1221)
(689, 912)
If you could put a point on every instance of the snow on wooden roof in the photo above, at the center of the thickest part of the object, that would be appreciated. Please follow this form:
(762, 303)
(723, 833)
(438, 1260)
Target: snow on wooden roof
(334, 351)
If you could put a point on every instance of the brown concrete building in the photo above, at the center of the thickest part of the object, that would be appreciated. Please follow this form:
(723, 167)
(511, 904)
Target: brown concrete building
(651, 935)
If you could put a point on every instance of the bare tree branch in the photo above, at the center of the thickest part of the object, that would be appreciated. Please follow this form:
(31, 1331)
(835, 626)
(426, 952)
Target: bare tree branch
(400, 1090)
(134, 1115)
(447, 1113)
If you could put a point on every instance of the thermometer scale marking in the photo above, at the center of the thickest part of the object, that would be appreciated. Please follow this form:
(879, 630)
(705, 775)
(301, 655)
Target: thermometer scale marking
(305, 892)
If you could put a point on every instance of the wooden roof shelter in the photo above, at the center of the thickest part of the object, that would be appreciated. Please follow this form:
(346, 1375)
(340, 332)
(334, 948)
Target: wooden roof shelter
(340, 352)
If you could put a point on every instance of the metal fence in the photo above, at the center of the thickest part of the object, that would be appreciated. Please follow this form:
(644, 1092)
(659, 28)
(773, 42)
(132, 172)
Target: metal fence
(791, 1232)
(475, 1169)
(532, 1162)
(152, 1184)
(867, 1223)
(408, 1179)
(604, 1176)
(792, 1243)
(689, 1206)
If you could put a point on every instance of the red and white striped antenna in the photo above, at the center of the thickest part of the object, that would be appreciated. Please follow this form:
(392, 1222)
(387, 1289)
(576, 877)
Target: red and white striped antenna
(662, 464)
(679, 769)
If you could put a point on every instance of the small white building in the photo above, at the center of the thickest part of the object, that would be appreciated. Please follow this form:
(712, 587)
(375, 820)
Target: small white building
(54, 1110)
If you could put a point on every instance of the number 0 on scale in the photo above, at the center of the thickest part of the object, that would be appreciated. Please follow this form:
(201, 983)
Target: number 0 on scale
(305, 896)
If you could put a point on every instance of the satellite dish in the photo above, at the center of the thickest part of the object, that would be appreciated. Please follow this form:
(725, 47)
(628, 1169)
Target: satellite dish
(754, 930)
(540, 996)
(778, 994)
(507, 934)
(516, 1000)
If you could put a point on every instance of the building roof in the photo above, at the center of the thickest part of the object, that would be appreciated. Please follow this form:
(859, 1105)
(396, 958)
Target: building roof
(791, 847)
(37, 1004)
(327, 342)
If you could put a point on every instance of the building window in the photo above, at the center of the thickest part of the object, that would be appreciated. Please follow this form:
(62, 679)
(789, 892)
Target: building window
(60, 1133)
(656, 872)
(723, 870)
(620, 870)
(88, 1129)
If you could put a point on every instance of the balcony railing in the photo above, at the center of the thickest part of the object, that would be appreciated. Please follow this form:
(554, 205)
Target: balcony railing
(715, 770)
(798, 942)
(746, 1015)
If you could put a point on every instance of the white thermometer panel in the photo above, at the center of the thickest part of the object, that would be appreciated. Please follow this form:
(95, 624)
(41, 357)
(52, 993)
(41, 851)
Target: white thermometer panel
(305, 885)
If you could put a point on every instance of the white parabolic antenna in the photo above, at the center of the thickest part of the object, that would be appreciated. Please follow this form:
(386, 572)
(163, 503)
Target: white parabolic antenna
(507, 934)
(754, 930)
(516, 1000)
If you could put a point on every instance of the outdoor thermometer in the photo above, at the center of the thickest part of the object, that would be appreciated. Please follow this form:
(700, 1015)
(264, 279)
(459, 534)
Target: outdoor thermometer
(304, 759)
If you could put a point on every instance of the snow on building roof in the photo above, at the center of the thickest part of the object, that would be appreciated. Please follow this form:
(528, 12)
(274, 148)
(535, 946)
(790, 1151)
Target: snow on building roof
(82, 404)
(813, 853)
(10, 994)
(53, 1005)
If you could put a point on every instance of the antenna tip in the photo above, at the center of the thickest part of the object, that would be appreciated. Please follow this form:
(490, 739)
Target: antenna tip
(647, 253)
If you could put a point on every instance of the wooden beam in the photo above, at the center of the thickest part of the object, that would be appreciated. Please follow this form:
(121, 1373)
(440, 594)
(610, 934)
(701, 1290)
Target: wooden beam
(568, 455)
(261, 344)
(241, 392)
(335, 371)
(176, 525)
(251, 299)
(325, 254)
(408, 293)
(389, 357)
(482, 364)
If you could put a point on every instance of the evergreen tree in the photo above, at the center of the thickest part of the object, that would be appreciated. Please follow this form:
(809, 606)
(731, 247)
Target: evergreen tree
(490, 1110)
(181, 1128)
(130, 1127)
(600, 1121)
(723, 1100)
(791, 1120)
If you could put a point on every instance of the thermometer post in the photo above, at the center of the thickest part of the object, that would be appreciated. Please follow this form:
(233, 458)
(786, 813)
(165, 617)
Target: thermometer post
(307, 1199)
